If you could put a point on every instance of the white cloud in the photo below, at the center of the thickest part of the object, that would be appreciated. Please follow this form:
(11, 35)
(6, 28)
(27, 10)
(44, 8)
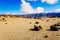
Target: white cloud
(11, 13)
(50, 1)
(39, 10)
(8, 13)
(14, 13)
(27, 8)
(32, 0)
(57, 10)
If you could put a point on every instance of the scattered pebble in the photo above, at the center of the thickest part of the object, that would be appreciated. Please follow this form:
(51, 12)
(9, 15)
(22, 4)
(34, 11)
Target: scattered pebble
(5, 23)
(45, 36)
(30, 22)
(36, 22)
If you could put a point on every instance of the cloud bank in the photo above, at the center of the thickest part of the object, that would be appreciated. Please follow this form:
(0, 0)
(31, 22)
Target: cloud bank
(50, 1)
(57, 10)
(39, 10)
(27, 8)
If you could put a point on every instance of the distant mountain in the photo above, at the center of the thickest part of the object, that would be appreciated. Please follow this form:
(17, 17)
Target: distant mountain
(44, 14)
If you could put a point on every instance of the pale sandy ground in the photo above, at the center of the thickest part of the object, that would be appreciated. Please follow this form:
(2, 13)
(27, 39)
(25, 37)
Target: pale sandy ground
(18, 29)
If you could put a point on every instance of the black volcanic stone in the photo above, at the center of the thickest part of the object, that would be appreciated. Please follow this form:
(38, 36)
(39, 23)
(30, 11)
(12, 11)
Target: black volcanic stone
(3, 18)
(34, 17)
(5, 23)
(36, 28)
(46, 36)
(40, 27)
(54, 28)
(36, 22)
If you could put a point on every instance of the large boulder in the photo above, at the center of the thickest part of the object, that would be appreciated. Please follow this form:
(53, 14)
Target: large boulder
(36, 28)
(54, 28)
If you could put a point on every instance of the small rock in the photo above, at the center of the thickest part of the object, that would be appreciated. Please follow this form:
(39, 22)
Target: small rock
(5, 23)
(30, 22)
(34, 17)
(40, 27)
(47, 20)
(36, 22)
(46, 36)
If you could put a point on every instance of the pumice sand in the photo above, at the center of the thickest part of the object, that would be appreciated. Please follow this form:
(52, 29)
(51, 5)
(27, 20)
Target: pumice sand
(18, 28)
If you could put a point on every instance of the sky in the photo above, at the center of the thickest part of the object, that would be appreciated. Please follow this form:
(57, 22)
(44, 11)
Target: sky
(29, 6)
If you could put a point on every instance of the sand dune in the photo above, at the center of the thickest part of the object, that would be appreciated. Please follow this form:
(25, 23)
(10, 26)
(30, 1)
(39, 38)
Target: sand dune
(18, 29)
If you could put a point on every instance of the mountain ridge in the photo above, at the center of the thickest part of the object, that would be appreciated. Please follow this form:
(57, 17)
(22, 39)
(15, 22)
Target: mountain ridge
(44, 14)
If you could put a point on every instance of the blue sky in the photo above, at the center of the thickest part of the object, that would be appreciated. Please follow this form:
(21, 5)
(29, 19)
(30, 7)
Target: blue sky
(29, 6)
(9, 6)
